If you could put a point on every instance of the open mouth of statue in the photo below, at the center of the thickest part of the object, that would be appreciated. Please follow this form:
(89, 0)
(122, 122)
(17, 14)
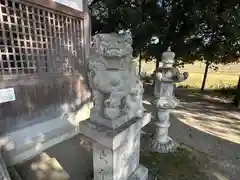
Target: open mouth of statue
(117, 52)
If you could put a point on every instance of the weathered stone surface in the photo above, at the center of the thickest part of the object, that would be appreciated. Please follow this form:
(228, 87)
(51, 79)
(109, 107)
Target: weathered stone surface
(116, 88)
(3, 170)
(117, 115)
(165, 100)
(116, 164)
(113, 138)
(115, 152)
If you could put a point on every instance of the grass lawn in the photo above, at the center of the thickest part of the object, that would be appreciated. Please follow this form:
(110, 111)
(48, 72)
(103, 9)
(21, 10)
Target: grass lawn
(226, 76)
(214, 80)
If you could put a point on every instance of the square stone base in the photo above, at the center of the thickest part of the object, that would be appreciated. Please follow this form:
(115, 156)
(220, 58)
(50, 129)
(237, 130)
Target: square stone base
(116, 152)
(113, 124)
(113, 138)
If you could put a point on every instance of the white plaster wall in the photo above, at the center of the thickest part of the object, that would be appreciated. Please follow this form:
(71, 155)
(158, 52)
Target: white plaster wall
(75, 4)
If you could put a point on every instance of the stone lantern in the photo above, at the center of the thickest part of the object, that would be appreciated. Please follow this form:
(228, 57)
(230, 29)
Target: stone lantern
(117, 116)
(164, 101)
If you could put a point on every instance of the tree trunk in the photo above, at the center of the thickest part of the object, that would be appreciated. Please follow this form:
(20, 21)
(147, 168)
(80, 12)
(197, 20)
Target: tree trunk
(140, 64)
(237, 94)
(205, 76)
(238, 85)
(157, 63)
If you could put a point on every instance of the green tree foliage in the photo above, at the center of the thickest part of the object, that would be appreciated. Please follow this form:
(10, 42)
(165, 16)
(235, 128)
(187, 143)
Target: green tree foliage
(141, 17)
(218, 34)
(207, 30)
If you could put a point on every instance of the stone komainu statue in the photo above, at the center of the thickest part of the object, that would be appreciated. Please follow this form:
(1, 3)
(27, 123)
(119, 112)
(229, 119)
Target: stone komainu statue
(116, 87)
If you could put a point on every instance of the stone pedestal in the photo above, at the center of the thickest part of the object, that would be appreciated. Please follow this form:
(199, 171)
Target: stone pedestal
(3, 170)
(117, 115)
(164, 101)
(116, 152)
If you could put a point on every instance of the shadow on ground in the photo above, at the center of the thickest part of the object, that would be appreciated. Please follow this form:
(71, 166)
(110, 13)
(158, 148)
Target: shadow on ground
(213, 115)
(197, 123)
(180, 165)
(68, 160)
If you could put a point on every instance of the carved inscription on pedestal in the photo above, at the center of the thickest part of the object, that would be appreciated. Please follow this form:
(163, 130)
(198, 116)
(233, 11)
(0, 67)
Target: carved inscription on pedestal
(130, 156)
(103, 175)
(103, 156)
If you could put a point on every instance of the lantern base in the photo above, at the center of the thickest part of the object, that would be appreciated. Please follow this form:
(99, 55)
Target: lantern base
(168, 146)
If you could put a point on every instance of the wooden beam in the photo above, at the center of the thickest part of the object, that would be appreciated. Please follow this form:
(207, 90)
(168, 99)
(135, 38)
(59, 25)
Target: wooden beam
(50, 4)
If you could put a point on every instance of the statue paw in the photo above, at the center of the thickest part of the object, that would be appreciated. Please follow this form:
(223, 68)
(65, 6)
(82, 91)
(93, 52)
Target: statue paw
(139, 113)
(111, 113)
